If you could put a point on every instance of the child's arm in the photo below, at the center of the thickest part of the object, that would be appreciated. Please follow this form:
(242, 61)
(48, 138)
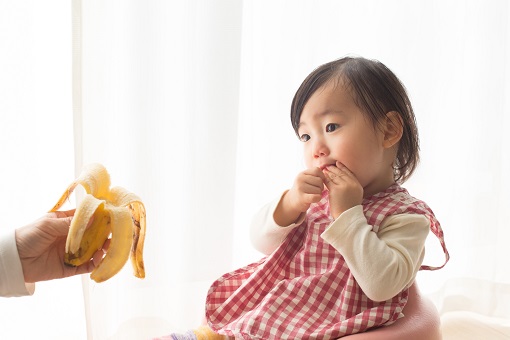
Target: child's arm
(383, 263)
(265, 233)
(276, 220)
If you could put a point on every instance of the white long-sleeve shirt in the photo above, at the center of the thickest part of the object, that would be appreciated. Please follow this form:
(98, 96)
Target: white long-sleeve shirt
(12, 281)
(383, 263)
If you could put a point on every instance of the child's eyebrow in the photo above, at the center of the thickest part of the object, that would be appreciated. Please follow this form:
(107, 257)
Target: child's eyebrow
(323, 114)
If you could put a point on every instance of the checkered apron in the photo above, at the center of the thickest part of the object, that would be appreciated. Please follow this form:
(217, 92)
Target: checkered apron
(304, 289)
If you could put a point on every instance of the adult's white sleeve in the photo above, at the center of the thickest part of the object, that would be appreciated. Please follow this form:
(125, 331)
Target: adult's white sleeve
(12, 281)
(383, 263)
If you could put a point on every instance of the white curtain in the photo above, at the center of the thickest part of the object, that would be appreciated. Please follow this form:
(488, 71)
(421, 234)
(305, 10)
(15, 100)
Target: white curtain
(187, 104)
(159, 94)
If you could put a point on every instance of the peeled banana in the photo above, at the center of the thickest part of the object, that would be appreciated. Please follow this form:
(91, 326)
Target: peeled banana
(102, 212)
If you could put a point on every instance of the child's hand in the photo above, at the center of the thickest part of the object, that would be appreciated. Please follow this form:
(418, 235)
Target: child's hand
(345, 191)
(307, 189)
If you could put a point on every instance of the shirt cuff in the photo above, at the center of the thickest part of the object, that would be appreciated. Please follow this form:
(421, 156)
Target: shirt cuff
(336, 230)
(12, 281)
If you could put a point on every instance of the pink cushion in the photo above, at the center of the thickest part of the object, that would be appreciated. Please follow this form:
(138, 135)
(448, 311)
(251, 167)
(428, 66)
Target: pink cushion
(420, 322)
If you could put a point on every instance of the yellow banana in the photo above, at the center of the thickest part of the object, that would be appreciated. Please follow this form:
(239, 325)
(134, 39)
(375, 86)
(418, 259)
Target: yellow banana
(205, 333)
(104, 211)
(83, 240)
(93, 178)
(120, 245)
(121, 197)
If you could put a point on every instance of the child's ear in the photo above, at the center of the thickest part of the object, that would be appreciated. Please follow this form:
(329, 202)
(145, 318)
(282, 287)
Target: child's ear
(393, 129)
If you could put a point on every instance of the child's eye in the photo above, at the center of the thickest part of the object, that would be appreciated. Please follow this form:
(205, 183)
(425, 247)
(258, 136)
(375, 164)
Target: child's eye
(304, 137)
(332, 127)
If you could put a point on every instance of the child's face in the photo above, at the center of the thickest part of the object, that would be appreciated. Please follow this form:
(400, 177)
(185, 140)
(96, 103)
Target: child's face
(334, 129)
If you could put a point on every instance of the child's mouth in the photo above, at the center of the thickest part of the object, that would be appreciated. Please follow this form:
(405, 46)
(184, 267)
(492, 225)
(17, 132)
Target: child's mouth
(322, 167)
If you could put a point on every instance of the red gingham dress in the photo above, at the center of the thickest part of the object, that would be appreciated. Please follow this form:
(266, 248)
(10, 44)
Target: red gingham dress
(304, 289)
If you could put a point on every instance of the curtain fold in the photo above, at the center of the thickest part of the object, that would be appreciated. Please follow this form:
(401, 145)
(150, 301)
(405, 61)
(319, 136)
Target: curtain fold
(187, 104)
(159, 105)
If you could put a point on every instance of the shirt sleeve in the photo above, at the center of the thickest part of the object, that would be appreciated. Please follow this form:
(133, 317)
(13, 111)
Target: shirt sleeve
(383, 263)
(265, 234)
(12, 281)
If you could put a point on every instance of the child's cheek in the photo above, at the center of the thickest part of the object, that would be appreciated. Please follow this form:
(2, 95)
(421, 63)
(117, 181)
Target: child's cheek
(308, 156)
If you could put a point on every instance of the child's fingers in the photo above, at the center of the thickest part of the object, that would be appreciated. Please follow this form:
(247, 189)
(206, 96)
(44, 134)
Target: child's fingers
(318, 173)
(310, 177)
(308, 187)
(338, 173)
(312, 198)
(317, 182)
(312, 188)
(344, 169)
(333, 175)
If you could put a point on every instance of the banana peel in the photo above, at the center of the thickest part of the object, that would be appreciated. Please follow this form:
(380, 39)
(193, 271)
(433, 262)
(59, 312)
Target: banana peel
(104, 213)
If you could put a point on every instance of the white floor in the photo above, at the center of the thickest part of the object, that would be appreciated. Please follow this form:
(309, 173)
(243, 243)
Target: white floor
(472, 326)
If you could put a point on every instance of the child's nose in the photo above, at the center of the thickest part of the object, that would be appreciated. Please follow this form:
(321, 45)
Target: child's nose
(320, 149)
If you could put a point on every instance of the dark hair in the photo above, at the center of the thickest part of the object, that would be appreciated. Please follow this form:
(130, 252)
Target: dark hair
(376, 90)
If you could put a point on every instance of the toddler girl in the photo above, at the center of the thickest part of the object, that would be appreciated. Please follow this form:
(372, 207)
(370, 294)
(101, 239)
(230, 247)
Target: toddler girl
(344, 244)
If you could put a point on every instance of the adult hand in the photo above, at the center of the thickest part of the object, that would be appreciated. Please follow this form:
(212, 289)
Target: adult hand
(345, 191)
(41, 247)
